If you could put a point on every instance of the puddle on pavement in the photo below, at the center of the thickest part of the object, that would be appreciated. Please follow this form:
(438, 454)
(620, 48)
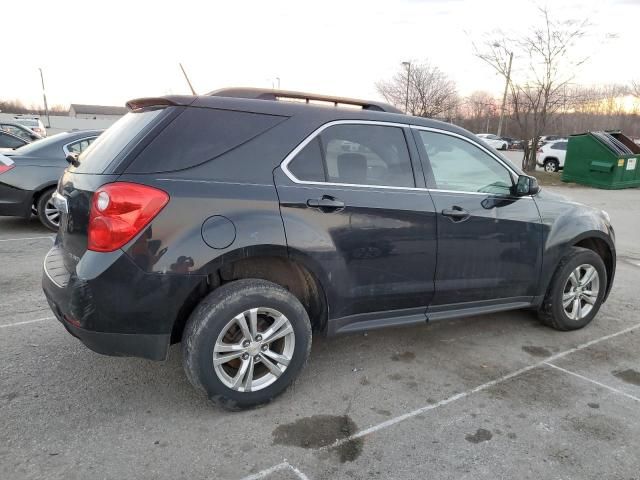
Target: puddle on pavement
(630, 376)
(320, 431)
(536, 351)
(481, 435)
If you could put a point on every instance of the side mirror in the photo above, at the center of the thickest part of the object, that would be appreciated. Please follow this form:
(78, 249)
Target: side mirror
(526, 185)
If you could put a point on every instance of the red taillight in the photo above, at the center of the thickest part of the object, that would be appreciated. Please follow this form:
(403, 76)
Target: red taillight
(5, 168)
(119, 211)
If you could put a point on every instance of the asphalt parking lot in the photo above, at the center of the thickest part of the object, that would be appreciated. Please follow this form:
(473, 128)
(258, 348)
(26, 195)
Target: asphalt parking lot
(497, 396)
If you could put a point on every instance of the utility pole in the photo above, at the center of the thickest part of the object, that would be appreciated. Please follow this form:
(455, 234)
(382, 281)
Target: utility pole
(504, 96)
(187, 79)
(406, 98)
(44, 96)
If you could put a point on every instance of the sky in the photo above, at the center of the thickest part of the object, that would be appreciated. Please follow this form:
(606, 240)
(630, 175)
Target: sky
(107, 52)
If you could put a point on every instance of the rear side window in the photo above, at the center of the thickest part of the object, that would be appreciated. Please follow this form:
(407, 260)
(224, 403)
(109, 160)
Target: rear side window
(10, 142)
(97, 157)
(559, 146)
(308, 164)
(199, 135)
(356, 154)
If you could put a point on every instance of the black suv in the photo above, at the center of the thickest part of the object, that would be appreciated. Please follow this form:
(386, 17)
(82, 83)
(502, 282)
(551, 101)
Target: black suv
(242, 221)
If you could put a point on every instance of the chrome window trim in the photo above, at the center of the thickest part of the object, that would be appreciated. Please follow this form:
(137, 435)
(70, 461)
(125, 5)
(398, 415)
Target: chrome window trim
(289, 158)
(475, 144)
(65, 148)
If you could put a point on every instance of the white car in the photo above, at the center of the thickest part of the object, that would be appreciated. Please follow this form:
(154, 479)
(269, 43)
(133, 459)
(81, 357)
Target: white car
(551, 155)
(494, 140)
(34, 123)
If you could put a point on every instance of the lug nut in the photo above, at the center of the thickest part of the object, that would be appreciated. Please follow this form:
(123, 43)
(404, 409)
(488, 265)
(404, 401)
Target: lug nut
(256, 358)
(265, 347)
(246, 343)
(258, 338)
(245, 356)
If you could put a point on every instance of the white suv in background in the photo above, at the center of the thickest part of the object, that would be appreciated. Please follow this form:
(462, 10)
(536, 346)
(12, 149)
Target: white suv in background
(34, 123)
(551, 155)
(494, 140)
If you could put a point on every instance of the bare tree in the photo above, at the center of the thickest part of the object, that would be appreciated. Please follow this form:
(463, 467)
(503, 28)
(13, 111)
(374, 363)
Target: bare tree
(423, 88)
(635, 88)
(479, 109)
(537, 90)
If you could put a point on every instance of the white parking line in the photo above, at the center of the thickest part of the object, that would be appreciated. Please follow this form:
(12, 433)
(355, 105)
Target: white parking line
(453, 398)
(595, 382)
(26, 322)
(50, 237)
(277, 468)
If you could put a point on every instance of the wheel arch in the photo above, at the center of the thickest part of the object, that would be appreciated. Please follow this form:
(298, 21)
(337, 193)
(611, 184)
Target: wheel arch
(271, 263)
(597, 242)
(38, 191)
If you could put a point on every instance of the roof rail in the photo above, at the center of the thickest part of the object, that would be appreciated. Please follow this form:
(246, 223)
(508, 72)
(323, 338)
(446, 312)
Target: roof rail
(273, 94)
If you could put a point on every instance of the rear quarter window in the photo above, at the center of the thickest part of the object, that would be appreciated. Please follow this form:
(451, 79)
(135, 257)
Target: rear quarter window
(99, 155)
(198, 135)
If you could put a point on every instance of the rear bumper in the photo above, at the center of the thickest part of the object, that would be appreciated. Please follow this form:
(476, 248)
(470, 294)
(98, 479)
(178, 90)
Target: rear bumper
(15, 202)
(120, 312)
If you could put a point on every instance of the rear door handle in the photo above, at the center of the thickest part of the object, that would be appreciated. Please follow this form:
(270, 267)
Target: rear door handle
(455, 213)
(326, 204)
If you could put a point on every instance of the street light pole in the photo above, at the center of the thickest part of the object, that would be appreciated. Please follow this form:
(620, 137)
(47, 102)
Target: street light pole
(504, 96)
(44, 96)
(406, 98)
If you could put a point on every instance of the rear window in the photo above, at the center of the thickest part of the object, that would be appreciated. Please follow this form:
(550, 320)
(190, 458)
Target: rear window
(199, 135)
(97, 157)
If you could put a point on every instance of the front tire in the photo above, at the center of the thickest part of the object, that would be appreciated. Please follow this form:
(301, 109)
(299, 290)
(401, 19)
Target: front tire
(47, 212)
(576, 291)
(551, 166)
(246, 343)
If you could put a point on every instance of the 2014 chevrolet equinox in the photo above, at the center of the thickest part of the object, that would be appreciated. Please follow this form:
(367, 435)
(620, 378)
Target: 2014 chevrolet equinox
(238, 223)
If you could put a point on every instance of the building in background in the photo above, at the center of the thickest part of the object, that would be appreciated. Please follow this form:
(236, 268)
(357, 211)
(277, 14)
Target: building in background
(96, 112)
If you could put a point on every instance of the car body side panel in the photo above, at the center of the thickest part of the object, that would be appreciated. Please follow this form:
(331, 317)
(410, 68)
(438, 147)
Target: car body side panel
(19, 185)
(173, 242)
(378, 253)
(564, 224)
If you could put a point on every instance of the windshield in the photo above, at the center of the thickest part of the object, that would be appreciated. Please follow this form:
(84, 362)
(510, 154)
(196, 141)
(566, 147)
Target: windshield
(28, 122)
(107, 146)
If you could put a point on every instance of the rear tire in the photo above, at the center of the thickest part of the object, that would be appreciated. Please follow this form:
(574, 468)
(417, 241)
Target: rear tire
(48, 215)
(233, 319)
(567, 304)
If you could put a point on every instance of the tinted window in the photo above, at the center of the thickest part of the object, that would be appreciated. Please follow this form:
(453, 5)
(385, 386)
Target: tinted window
(112, 141)
(80, 146)
(7, 141)
(360, 155)
(461, 166)
(559, 146)
(18, 132)
(308, 163)
(199, 135)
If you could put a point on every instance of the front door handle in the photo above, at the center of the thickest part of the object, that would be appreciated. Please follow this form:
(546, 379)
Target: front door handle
(326, 204)
(456, 214)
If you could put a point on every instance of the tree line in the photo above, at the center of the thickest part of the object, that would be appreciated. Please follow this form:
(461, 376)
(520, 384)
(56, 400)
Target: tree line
(541, 97)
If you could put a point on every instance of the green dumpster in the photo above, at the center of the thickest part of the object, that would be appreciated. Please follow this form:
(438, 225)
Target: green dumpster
(603, 160)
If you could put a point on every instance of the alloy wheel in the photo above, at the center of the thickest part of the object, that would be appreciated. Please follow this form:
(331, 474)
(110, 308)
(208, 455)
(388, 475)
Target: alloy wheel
(52, 213)
(253, 349)
(580, 292)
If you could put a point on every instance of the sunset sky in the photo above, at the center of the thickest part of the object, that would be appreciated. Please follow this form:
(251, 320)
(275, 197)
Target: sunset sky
(108, 52)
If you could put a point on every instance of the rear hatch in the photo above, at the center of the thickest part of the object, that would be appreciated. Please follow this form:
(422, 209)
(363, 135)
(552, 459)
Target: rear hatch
(96, 166)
